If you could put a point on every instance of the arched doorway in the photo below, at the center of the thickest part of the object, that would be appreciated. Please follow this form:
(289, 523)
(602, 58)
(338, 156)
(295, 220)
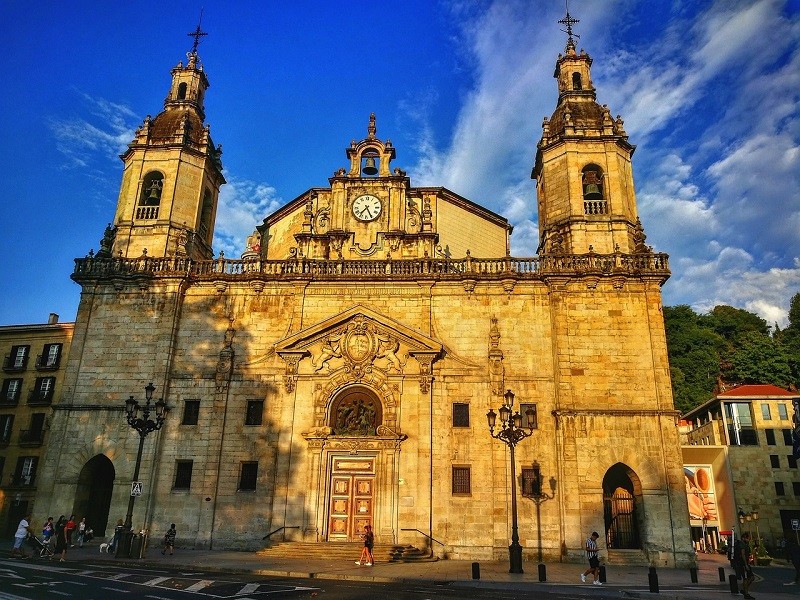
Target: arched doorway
(93, 496)
(356, 412)
(621, 501)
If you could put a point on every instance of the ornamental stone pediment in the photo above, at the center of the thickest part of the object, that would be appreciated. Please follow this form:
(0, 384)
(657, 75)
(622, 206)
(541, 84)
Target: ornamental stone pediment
(357, 341)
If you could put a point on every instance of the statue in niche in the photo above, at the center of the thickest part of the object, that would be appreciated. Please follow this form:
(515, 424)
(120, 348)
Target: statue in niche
(355, 417)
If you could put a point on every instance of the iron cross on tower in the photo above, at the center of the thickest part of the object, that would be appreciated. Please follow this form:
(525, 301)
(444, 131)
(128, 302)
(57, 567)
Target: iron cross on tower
(198, 33)
(568, 21)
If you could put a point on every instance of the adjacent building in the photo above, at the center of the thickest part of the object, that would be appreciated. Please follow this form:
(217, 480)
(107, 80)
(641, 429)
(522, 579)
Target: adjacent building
(739, 460)
(33, 374)
(339, 373)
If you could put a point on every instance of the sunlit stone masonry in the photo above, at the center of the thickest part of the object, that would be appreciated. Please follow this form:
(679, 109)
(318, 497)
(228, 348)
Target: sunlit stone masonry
(340, 371)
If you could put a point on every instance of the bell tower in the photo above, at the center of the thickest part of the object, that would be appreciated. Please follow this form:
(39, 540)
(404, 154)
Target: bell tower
(584, 179)
(172, 175)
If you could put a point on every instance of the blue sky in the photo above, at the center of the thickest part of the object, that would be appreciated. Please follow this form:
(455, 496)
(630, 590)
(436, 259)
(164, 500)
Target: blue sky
(709, 92)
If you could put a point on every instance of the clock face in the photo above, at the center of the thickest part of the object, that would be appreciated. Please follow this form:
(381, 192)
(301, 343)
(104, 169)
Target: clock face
(366, 208)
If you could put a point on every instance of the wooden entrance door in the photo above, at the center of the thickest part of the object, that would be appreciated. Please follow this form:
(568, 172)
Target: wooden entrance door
(352, 494)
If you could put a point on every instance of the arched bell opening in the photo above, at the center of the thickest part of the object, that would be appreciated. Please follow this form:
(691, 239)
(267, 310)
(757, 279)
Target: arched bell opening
(93, 495)
(622, 505)
(370, 163)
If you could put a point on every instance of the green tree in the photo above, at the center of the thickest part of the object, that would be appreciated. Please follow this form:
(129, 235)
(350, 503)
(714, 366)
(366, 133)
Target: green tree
(757, 358)
(732, 323)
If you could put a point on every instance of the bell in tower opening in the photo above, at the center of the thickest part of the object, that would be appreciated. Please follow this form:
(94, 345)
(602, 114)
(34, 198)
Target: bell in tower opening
(369, 165)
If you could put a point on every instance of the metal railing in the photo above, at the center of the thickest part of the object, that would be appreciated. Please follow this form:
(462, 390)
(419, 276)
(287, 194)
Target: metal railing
(266, 537)
(422, 533)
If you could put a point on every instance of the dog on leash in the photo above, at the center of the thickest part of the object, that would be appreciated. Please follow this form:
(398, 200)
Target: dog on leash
(104, 547)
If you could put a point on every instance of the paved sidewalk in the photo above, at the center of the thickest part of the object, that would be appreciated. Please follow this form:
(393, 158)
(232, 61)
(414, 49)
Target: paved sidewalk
(562, 578)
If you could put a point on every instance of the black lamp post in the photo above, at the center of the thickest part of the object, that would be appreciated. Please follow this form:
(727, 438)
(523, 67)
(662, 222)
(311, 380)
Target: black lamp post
(511, 433)
(144, 425)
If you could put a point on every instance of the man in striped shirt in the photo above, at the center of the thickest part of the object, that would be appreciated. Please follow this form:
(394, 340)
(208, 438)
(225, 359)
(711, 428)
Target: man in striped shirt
(594, 561)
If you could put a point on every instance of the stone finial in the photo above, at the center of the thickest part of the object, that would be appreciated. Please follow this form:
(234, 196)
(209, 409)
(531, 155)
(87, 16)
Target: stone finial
(371, 129)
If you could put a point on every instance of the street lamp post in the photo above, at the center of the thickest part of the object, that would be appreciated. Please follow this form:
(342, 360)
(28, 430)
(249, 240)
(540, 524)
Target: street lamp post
(511, 433)
(143, 425)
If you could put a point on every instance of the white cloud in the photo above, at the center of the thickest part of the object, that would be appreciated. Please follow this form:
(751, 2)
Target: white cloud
(242, 205)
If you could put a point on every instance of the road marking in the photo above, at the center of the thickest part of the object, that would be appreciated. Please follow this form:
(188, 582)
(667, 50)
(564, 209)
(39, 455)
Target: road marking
(203, 583)
(250, 587)
(9, 574)
(117, 590)
(154, 582)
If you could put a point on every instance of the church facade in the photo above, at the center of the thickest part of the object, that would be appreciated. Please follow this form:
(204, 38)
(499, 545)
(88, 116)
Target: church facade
(340, 372)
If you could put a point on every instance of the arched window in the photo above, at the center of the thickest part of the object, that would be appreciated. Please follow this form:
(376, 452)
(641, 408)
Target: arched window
(594, 200)
(182, 91)
(150, 197)
(206, 214)
(576, 81)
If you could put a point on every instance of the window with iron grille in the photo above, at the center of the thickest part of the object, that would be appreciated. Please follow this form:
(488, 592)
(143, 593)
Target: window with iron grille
(183, 474)
(11, 390)
(779, 489)
(460, 414)
(191, 412)
(531, 482)
(255, 411)
(461, 480)
(770, 434)
(248, 476)
(50, 358)
(6, 425)
(774, 461)
(43, 389)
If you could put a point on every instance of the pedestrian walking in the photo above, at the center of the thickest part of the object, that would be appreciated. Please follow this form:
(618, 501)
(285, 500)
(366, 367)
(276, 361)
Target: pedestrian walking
(61, 538)
(741, 562)
(594, 560)
(81, 532)
(118, 529)
(793, 554)
(70, 528)
(369, 543)
(23, 529)
(169, 540)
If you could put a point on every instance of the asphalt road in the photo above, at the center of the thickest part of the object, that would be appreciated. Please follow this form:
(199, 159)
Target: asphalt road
(36, 579)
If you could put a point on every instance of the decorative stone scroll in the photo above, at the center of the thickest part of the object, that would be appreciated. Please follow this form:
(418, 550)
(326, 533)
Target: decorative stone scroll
(496, 368)
(425, 360)
(292, 359)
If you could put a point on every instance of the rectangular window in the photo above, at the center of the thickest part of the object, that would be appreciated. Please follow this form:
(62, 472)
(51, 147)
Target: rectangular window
(460, 414)
(11, 390)
(50, 357)
(43, 390)
(740, 424)
(255, 412)
(779, 489)
(765, 413)
(792, 461)
(183, 475)
(191, 412)
(774, 461)
(17, 360)
(248, 476)
(6, 425)
(25, 473)
(787, 437)
(531, 482)
(782, 414)
(770, 434)
(796, 488)
(523, 411)
(461, 480)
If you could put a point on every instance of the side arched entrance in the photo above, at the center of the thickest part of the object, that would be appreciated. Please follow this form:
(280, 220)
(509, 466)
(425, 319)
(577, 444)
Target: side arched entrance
(622, 506)
(93, 496)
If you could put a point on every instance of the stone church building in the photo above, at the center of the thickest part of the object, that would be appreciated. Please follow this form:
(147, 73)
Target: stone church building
(339, 373)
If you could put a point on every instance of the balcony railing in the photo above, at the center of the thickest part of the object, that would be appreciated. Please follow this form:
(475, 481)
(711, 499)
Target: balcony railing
(18, 480)
(648, 263)
(31, 437)
(11, 364)
(7, 402)
(44, 364)
(40, 398)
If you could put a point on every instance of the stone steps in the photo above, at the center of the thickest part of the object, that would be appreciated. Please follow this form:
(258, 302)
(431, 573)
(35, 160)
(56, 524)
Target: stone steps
(631, 558)
(345, 551)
